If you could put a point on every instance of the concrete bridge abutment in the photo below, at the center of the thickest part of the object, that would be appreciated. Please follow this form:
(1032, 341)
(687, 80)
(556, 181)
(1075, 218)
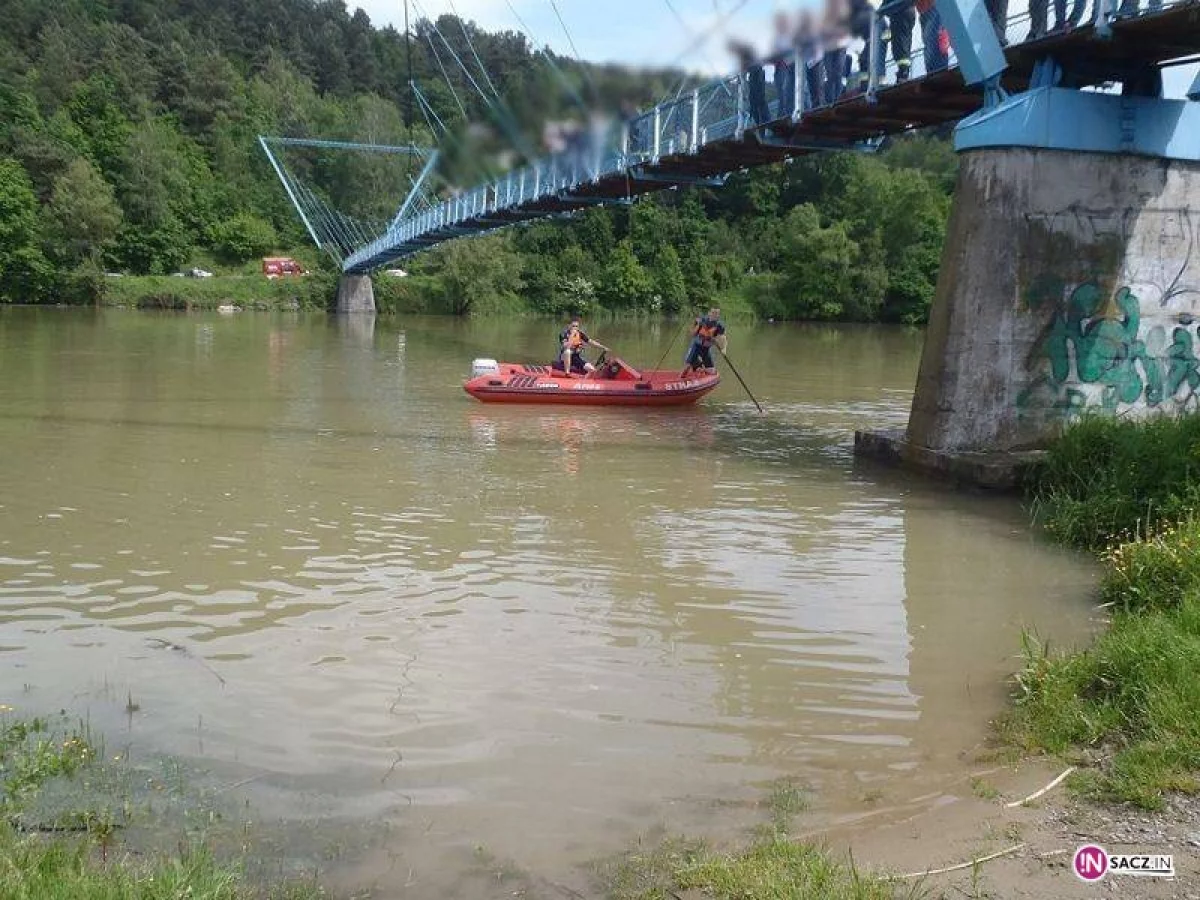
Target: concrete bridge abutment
(355, 294)
(1069, 285)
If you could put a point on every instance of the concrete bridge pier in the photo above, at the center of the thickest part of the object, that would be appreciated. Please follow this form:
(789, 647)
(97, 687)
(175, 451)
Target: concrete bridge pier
(1070, 284)
(355, 294)
(1070, 277)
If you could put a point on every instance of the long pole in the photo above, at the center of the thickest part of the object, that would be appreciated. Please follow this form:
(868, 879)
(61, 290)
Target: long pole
(729, 363)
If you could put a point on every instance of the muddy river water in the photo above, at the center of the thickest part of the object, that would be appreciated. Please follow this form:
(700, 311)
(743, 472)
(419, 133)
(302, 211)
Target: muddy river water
(527, 634)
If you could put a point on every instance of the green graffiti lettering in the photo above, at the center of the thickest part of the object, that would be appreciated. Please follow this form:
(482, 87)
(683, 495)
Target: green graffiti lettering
(1183, 368)
(1091, 340)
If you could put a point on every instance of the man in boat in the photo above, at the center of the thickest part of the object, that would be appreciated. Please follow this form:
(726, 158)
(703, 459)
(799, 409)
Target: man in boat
(571, 342)
(707, 330)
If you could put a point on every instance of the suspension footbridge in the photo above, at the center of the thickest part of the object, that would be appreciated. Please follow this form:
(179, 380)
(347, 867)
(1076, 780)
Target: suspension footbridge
(752, 118)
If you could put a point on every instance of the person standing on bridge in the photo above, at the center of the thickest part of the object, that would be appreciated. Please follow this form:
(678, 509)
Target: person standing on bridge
(836, 34)
(935, 42)
(902, 21)
(812, 55)
(751, 65)
(783, 55)
(862, 13)
(572, 340)
(707, 330)
(934, 38)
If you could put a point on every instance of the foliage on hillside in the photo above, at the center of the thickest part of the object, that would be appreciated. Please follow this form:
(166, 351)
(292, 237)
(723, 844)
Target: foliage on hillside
(127, 141)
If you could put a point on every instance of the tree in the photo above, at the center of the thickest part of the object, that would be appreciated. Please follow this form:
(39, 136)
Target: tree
(18, 109)
(666, 276)
(480, 276)
(83, 214)
(595, 231)
(650, 227)
(934, 156)
(161, 183)
(827, 275)
(242, 237)
(24, 272)
(625, 284)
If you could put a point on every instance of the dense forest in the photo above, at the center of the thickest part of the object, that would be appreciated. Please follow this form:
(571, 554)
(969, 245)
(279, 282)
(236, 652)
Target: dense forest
(128, 143)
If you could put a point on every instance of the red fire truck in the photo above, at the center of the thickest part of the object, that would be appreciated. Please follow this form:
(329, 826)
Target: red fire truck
(274, 266)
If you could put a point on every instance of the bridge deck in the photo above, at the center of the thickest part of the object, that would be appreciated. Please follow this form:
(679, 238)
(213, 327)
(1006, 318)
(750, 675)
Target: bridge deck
(708, 134)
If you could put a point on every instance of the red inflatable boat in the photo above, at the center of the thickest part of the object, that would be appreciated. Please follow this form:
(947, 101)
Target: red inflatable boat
(614, 383)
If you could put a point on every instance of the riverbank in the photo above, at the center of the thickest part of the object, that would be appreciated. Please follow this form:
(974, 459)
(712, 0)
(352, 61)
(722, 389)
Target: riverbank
(314, 292)
(1113, 723)
(243, 292)
(64, 807)
(1125, 708)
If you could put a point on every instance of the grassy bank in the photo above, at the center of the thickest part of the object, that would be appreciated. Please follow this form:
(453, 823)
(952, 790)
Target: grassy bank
(772, 867)
(311, 292)
(70, 849)
(1128, 703)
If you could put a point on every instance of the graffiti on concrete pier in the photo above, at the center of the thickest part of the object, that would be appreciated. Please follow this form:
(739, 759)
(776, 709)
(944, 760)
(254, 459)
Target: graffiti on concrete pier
(1119, 345)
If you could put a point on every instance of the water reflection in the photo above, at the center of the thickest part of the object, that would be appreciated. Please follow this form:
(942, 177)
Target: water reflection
(357, 330)
(533, 629)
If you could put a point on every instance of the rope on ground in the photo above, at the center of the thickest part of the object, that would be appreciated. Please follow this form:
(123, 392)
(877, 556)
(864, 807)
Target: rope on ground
(178, 648)
(966, 865)
(1050, 853)
(1051, 786)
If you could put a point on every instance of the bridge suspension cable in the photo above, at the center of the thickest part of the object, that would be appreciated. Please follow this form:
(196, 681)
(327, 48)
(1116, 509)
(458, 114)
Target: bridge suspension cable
(462, 24)
(575, 50)
(408, 109)
(450, 84)
(548, 57)
(699, 40)
(503, 115)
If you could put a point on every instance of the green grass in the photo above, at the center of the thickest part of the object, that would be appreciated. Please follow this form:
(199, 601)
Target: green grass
(1157, 572)
(772, 869)
(785, 801)
(314, 292)
(1133, 697)
(33, 867)
(73, 854)
(1134, 694)
(984, 789)
(1108, 481)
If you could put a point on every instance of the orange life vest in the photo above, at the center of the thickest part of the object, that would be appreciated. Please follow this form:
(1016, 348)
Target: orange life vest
(574, 339)
(705, 331)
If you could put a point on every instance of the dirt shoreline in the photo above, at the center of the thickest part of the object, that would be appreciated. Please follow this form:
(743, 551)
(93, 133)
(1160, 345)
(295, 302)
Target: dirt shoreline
(1049, 829)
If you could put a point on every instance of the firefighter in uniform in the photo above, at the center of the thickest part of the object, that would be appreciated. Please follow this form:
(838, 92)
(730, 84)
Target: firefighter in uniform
(571, 342)
(707, 330)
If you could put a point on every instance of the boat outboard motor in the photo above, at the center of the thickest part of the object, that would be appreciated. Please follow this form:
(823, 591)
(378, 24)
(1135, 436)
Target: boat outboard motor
(484, 367)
